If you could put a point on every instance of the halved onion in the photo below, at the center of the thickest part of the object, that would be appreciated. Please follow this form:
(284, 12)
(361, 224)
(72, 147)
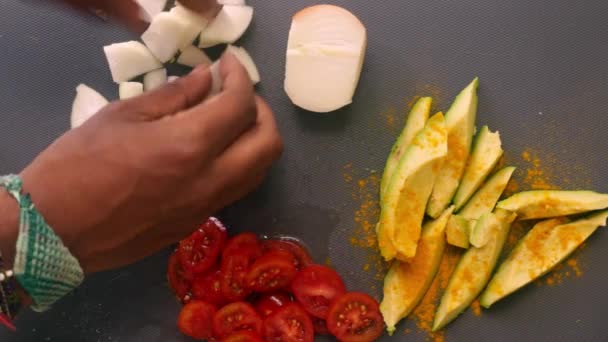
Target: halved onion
(129, 59)
(227, 27)
(86, 103)
(127, 90)
(152, 7)
(192, 56)
(243, 56)
(155, 79)
(325, 55)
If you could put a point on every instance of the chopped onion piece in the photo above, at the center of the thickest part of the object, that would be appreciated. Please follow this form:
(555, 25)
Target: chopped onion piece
(129, 59)
(227, 27)
(86, 104)
(127, 90)
(232, 2)
(193, 56)
(193, 22)
(172, 79)
(155, 79)
(165, 36)
(216, 79)
(243, 56)
(152, 7)
(325, 55)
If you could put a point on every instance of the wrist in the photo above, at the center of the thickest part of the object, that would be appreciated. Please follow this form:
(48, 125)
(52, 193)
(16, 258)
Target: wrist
(9, 227)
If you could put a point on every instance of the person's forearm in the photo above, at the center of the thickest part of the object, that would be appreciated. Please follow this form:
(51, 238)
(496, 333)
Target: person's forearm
(9, 227)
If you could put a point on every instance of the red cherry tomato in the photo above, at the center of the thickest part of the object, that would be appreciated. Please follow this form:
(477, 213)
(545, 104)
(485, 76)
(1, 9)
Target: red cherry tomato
(270, 303)
(195, 320)
(207, 287)
(315, 287)
(272, 271)
(302, 257)
(243, 244)
(238, 316)
(320, 326)
(178, 278)
(232, 277)
(243, 336)
(290, 324)
(355, 317)
(200, 250)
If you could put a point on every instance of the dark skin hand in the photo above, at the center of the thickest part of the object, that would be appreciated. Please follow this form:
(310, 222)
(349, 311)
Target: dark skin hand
(143, 173)
(128, 11)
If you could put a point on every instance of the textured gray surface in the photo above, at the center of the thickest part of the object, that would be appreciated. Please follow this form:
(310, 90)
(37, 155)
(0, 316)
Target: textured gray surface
(544, 85)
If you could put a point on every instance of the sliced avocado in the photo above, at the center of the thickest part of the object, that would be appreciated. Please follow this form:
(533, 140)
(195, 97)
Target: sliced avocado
(483, 230)
(487, 150)
(472, 273)
(486, 197)
(537, 204)
(545, 245)
(406, 283)
(460, 123)
(416, 120)
(402, 208)
(459, 230)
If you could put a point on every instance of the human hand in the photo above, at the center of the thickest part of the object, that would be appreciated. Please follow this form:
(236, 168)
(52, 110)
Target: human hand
(143, 173)
(129, 11)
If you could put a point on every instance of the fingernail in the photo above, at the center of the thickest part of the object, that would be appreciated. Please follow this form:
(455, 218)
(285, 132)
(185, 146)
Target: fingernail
(229, 58)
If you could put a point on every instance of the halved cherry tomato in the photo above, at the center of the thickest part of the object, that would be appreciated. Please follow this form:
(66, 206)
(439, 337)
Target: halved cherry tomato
(243, 244)
(272, 271)
(179, 280)
(207, 287)
(315, 287)
(236, 317)
(195, 319)
(243, 336)
(302, 257)
(200, 250)
(290, 324)
(270, 303)
(232, 277)
(355, 317)
(320, 326)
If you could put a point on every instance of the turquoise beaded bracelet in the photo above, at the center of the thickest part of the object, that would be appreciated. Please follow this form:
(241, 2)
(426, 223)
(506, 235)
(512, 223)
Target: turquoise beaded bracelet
(44, 267)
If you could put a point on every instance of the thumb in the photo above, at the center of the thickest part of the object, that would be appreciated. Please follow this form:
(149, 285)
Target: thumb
(181, 94)
(208, 8)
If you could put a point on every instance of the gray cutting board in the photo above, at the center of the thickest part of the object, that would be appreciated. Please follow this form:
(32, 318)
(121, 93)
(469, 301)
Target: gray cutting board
(544, 85)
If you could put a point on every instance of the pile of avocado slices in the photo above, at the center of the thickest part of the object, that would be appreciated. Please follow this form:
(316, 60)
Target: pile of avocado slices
(441, 186)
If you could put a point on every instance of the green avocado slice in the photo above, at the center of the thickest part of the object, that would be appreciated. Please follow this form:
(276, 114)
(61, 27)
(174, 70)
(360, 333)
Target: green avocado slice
(460, 123)
(405, 284)
(538, 204)
(402, 208)
(486, 197)
(472, 273)
(546, 245)
(486, 153)
(416, 120)
(459, 230)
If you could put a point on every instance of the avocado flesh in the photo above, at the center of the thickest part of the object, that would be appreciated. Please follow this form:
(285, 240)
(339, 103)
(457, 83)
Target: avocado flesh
(547, 244)
(405, 284)
(402, 208)
(485, 199)
(472, 273)
(416, 120)
(483, 229)
(459, 230)
(487, 150)
(460, 123)
(538, 204)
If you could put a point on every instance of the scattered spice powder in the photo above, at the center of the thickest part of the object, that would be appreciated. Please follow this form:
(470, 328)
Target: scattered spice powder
(391, 121)
(424, 314)
(476, 308)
